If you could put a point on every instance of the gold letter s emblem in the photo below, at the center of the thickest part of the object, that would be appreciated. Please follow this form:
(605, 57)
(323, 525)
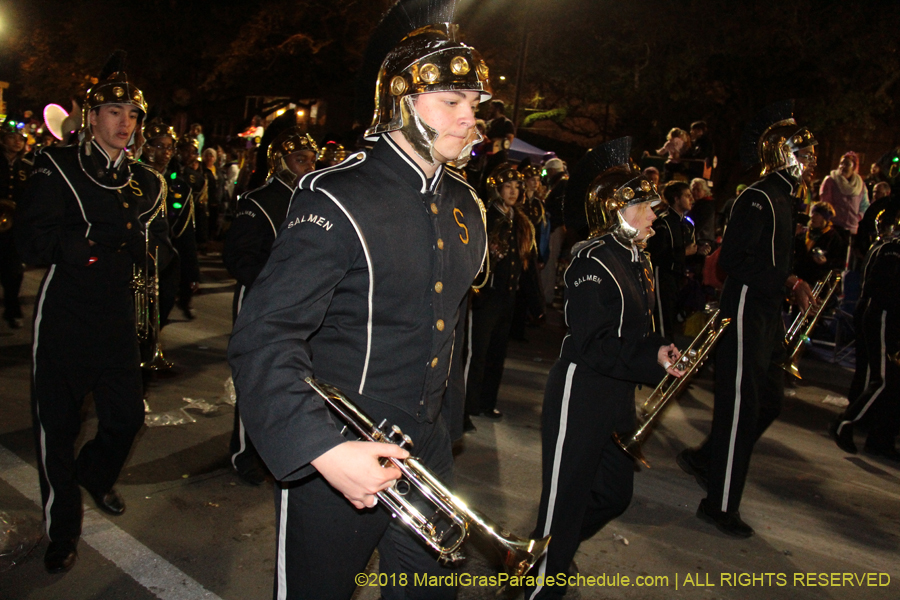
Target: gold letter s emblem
(458, 214)
(134, 185)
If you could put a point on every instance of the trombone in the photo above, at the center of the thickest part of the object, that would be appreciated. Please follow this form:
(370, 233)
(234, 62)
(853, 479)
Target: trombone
(797, 336)
(517, 554)
(690, 362)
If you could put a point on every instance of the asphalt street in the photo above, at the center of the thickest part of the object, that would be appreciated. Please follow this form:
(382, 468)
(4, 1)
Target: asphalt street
(827, 523)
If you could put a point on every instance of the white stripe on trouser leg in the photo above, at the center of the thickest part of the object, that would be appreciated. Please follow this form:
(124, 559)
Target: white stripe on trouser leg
(468, 347)
(729, 465)
(882, 368)
(659, 309)
(557, 459)
(37, 333)
(242, 436)
(282, 537)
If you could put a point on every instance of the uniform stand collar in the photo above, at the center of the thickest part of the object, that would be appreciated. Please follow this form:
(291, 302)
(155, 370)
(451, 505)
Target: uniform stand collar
(387, 151)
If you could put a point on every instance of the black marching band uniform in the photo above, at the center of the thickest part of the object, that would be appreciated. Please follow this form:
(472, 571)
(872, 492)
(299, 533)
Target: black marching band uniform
(756, 255)
(15, 175)
(493, 304)
(875, 391)
(186, 188)
(674, 232)
(260, 213)
(363, 289)
(84, 317)
(609, 348)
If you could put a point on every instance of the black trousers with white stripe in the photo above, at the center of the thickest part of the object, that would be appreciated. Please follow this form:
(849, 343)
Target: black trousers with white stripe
(58, 391)
(666, 302)
(879, 401)
(587, 479)
(749, 391)
(324, 543)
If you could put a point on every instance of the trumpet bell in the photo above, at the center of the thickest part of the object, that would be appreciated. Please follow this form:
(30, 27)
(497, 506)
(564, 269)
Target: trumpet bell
(156, 362)
(632, 447)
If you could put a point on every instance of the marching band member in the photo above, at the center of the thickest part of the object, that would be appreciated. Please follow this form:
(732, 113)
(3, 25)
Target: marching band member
(157, 153)
(756, 255)
(875, 392)
(289, 154)
(15, 169)
(363, 289)
(84, 215)
(510, 244)
(609, 348)
(186, 206)
(674, 240)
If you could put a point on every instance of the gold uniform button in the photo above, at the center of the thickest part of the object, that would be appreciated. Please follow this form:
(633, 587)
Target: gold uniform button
(440, 244)
(434, 208)
(125, 204)
(439, 287)
(128, 225)
(439, 325)
(434, 362)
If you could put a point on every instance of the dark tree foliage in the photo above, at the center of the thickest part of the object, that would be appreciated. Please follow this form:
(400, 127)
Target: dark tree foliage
(596, 69)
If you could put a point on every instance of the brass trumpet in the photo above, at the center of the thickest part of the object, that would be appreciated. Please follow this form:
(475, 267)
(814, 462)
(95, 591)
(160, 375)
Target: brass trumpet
(518, 555)
(797, 335)
(690, 362)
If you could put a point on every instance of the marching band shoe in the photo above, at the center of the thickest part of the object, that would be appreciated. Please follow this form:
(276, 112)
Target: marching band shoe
(729, 523)
(188, 312)
(492, 414)
(844, 439)
(111, 502)
(690, 465)
(60, 556)
(252, 475)
(887, 451)
(468, 425)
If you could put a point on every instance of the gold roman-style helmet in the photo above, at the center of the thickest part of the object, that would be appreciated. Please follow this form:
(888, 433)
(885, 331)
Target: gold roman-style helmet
(113, 87)
(601, 186)
(530, 171)
(332, 153)
(158, 129)
(887, 223)
(504, 173)
(778, 146)
(772, 139)
(430, 57)
(286, 143)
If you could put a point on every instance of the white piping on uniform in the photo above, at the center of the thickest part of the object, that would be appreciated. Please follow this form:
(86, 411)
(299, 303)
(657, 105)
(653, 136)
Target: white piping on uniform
(365, 247)
(621, 295)
(403, 155)
(282, 543)
(314, 176)
(37, 332)
(274, 230)
(557, 460)
(772, 207)
(737, 399)
(77, 199)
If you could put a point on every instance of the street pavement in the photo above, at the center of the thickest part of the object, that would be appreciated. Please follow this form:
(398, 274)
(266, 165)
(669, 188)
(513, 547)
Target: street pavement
(827, 523)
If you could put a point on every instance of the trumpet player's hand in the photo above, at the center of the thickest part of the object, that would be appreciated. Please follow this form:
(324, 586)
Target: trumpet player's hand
(801, 292)
(667, 357)
(354, 469)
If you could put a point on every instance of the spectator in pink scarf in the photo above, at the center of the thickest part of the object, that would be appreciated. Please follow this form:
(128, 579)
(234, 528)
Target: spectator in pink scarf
(846, 192)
